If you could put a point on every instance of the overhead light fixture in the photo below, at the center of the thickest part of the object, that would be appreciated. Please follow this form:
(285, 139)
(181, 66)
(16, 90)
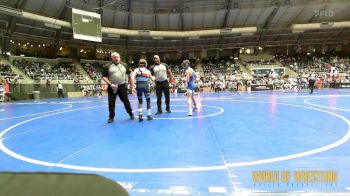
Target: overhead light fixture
(8, 53)
(226, 31)
(316, 26)
(61, 48)
(10, 11)
(52, 26)
(260, 48)
(113, 35)
(144, 32)
(326, 24)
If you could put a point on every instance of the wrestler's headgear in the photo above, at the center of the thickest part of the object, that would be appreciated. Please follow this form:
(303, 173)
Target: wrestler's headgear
(143, 61)
(186, 63)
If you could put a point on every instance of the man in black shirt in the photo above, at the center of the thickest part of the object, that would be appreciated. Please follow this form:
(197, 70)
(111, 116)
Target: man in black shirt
(162, 74)
(116, 75)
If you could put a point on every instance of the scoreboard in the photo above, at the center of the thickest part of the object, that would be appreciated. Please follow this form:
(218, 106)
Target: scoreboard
(86, 25)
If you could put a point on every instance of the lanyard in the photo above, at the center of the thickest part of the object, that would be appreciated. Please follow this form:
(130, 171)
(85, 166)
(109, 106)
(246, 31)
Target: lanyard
(123, 74)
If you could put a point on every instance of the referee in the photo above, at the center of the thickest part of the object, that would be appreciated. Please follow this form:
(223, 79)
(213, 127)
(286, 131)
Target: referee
(312, 80)
(60, 90)
(162, 74)
(116, 76)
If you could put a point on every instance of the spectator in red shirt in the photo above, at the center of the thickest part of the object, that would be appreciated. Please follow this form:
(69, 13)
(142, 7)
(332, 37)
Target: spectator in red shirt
(7, 89)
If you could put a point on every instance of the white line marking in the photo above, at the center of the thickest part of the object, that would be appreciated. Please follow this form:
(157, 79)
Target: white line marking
(213, 189)
(236, 183)
(177, 99)
(78, 101)
(307, 102)
(35, 114)
(176, 188)
(221, 110)
(165, 191)
(141, 190)
(178, 111)
(344, 139)
(310, 96)
(184, 192)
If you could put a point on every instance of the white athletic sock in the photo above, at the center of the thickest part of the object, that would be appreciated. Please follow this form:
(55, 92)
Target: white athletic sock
(189, 110)
(149, 112)
(140, 111)
(189, 103)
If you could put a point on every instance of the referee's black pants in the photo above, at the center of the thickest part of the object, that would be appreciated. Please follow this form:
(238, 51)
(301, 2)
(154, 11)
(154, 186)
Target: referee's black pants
(60, 93)
(122, 92)
(163, 87)
(311, 85)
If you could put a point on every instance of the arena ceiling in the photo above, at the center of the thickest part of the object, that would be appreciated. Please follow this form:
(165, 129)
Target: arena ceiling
(273, 18)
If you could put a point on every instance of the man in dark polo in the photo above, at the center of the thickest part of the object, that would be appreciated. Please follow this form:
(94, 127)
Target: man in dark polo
(162, 74)
(116, 76)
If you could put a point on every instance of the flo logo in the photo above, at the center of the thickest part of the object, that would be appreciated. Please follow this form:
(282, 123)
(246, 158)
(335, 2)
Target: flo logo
(324, 13)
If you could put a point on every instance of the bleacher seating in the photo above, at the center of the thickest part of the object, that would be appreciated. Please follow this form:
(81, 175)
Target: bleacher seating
(46, 70)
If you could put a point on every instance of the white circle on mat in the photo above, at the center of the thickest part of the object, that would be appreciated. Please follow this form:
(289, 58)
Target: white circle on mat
(341, 141)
